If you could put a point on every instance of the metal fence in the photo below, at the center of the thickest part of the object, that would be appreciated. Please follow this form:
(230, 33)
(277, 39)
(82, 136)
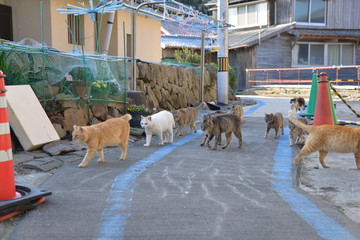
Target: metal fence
(340, 75)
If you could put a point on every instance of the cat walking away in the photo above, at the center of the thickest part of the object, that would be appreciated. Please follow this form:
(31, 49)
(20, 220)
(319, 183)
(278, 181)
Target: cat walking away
(187, 117)
(97, 136)
(158, 124)
(276, 121)
(217, 124)
(297, 132)
(328, 138)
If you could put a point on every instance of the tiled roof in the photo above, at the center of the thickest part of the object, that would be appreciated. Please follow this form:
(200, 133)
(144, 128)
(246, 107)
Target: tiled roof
(326, 32)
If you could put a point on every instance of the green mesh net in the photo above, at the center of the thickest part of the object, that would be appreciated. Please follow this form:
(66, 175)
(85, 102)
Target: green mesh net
(65, 76)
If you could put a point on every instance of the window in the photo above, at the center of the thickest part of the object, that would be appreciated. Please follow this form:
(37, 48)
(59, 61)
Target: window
(128, 45)
(310, 11)
(323, 54)
(6, 30)
(75, 29)
(249, 15)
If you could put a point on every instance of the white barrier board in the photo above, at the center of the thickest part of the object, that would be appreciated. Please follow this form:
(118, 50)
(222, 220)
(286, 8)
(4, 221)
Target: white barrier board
(28, 119)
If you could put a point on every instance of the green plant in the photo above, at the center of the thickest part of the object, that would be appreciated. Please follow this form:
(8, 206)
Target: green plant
(187, 56)
(15, 74)
(99, 88)
(232, 74)
(133, 108)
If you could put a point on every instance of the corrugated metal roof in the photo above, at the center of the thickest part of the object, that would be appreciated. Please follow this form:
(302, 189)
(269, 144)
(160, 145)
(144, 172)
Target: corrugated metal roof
(239, 39)
(173, 28)
(214, 2)
(180, 41)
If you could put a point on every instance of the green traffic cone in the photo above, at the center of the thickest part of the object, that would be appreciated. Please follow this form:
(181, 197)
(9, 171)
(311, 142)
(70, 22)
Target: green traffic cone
(313, 95)
(332, 105)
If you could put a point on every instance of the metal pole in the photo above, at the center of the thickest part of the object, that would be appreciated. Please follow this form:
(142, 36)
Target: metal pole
(133, 35)
(223, 61)
(133, 46)
(202, 67)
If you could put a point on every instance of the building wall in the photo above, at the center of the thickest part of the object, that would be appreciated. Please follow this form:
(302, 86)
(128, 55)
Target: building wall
(240, 60)
(341, 15)
(26, 19)
(59, 29)
(27, 24)
(284, 11)
(148, 39)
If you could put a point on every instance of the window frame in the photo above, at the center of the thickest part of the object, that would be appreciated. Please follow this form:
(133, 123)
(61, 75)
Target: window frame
(326, 54)
(76, 29)
(308, 23)
(246, 25)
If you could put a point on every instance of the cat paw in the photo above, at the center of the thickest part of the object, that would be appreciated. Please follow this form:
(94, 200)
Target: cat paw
(81, 165)
(100, 160)
(161, 144)
(146, 145)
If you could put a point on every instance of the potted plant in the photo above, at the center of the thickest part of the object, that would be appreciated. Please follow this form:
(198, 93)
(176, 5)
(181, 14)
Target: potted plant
(100, 89)
(136, 111)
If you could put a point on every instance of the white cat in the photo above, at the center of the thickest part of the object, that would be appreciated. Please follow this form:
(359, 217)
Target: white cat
(158, 124)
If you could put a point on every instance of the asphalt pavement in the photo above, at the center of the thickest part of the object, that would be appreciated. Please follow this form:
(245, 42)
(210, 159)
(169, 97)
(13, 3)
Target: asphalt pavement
(185, 191)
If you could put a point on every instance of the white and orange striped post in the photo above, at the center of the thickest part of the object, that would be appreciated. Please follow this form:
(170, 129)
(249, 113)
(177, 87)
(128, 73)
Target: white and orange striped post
(7, 180)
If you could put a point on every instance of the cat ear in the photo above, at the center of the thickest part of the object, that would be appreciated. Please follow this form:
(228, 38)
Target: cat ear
(75, 127)
(149, 118)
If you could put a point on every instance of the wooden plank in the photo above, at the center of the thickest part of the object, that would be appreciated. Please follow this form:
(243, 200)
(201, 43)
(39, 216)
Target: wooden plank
(28, 119)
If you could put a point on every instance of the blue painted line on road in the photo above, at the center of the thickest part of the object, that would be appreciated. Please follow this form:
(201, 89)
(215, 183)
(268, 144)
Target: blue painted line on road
(325, 226)
(256, 107)
(114, 217)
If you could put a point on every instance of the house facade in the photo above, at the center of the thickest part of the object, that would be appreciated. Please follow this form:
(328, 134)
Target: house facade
(40, 20)
(292, 34)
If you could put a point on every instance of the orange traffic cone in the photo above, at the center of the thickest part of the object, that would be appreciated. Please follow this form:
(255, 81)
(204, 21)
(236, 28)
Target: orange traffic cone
(323, 110)
(7, 180)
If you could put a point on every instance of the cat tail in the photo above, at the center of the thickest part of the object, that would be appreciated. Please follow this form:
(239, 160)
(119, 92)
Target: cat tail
(127, 116)
(200, 106)
(298, 123)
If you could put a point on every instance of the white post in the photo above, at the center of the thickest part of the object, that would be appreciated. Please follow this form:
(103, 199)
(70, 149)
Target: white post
(223, 62)
(109, 26)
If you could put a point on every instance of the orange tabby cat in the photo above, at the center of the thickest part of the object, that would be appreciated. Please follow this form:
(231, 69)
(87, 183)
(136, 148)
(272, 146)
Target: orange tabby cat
(328, 138)
(187, 116)
(97, 136)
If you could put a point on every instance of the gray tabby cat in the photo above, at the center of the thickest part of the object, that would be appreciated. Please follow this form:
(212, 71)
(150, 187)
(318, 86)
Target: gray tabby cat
(275, 121)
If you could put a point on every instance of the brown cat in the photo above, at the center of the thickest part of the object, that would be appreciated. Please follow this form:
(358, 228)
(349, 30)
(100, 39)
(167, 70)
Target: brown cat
(237, 110)
(275, 121)
(328, 138)
(217, 124)
(296, 131)
(97, 136)
(187, 116)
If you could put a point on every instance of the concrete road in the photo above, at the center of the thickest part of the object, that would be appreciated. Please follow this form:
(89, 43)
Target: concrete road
(185, 191)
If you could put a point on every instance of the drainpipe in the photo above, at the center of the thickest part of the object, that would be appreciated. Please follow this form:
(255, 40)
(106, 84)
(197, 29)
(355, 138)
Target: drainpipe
(109, 26)
(222, 55)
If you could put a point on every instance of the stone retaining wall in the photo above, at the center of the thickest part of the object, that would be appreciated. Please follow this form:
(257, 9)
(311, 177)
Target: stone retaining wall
(172, 86)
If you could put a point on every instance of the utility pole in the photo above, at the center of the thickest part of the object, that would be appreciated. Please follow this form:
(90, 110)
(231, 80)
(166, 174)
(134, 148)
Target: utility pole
(222, 55)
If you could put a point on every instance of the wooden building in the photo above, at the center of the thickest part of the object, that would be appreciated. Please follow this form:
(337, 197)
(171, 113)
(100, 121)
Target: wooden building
(292, 34)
